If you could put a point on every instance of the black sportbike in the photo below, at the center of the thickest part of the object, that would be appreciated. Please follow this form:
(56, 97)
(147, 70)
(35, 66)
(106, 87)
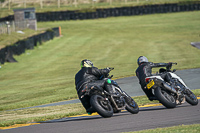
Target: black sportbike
(105, 104)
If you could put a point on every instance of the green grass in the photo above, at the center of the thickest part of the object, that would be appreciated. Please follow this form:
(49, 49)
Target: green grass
(24, 116)
(7, 40)
(46, 74)
(195, 128)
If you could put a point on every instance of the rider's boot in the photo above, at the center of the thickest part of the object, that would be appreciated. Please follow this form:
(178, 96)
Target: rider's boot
(90, 111)
(152, 98)
(150, 95)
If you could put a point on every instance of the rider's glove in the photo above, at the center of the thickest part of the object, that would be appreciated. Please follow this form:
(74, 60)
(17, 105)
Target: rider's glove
(108, 68)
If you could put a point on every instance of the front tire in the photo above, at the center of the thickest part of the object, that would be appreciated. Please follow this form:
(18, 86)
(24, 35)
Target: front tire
(131, 106)
(165, 98)
(102, 106)
(190, 97)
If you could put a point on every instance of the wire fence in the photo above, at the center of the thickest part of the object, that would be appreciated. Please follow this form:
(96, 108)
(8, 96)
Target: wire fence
(73, 3)
(12, 26)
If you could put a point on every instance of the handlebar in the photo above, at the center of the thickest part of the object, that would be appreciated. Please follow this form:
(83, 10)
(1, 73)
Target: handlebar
(107, 76)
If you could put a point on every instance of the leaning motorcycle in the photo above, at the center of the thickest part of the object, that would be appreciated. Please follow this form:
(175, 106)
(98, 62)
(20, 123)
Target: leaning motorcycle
(105, 104)
(167, 95)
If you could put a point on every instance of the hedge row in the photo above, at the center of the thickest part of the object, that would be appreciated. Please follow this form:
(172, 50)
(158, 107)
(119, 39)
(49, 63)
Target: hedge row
(6, 54)
(113, 12)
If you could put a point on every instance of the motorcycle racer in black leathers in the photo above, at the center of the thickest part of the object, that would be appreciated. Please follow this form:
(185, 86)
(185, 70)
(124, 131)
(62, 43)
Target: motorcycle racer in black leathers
(90, 76)
(145, 69)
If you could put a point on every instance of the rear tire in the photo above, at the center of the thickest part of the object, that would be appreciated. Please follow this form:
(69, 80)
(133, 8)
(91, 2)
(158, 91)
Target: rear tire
(165, 98)
(102, 106)
(190, 97)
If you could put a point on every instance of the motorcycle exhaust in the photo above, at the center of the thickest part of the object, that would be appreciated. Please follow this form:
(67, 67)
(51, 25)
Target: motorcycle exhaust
(169, 88)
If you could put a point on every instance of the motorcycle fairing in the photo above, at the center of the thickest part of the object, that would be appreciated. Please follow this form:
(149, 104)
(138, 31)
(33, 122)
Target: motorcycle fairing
(177, 77)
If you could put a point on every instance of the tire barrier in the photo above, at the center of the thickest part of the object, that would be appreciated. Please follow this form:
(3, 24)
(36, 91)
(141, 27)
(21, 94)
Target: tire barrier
(7, 18)
(114, 12)
(6, 54)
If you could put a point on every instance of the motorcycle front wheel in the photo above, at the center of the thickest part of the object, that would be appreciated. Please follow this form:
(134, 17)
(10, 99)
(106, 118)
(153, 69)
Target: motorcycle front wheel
(190, 97)
(131, 105)
(165, 98)
(102, 106)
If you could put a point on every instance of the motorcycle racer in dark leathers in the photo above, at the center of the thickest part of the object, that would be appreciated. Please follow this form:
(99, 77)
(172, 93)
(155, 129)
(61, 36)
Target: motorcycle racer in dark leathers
(145, 69)
(90, 76)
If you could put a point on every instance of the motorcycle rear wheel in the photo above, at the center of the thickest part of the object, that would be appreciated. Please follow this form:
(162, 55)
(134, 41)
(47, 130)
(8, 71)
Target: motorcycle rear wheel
(190, 97)
(165, 98)
(102, 106)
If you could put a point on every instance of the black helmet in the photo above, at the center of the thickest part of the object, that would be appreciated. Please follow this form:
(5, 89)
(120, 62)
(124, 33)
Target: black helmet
(86, 63)
(142, 59)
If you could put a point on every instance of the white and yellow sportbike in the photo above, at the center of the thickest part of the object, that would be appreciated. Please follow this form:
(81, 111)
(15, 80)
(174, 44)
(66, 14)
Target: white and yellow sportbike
(167, 95)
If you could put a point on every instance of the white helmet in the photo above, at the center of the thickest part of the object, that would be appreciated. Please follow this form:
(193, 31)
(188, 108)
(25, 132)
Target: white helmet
(142, 59)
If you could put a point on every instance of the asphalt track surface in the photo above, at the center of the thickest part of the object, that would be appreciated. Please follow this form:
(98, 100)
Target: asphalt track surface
(147, 118)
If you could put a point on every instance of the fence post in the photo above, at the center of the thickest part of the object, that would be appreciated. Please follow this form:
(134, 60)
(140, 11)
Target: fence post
(75, 3)
(24, 3)
(71, 3)
(9, 4)
(93, 1)
(8, 27)
(58, 3)
(60, 33)
(41, 4)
